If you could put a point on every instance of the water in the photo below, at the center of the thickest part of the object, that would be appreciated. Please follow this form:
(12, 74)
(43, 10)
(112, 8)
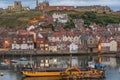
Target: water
(10, 75)
(111, 74)
(112, 70)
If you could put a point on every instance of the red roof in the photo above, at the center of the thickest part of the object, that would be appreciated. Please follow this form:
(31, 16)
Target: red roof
(58, 7)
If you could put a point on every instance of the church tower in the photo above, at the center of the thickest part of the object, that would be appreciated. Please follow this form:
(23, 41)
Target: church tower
(17, 5)
(37, 3)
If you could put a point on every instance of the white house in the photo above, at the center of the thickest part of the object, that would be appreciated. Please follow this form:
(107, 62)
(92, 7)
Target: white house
(73, 48)
(60, 17)
(53, 48)
(22, 46)
(113, 45)
(30, 27)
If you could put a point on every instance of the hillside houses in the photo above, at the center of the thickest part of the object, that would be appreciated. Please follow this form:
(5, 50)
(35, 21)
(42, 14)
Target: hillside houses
(72, 41)
(59, 40)
(22, 40)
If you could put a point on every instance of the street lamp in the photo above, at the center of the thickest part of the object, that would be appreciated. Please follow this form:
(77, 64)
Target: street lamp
(99, 52)
(6, 44)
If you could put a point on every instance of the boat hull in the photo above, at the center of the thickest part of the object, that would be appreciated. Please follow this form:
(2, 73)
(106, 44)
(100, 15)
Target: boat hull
(40, 74)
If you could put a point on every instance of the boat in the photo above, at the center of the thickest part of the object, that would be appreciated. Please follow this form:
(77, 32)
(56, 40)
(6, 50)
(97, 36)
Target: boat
(42, 72)
(4, 64)
(72, 71)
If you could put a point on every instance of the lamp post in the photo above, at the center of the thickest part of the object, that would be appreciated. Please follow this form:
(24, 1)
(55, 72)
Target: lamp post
(99, 53)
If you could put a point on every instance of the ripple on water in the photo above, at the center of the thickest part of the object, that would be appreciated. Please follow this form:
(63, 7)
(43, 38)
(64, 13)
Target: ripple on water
(10, 75)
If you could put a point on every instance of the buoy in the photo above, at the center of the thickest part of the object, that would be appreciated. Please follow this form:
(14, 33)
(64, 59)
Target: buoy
(1, 74)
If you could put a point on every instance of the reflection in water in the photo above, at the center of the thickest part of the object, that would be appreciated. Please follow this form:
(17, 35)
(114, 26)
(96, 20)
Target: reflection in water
(53, 78)
(41, 78)
(112, 67)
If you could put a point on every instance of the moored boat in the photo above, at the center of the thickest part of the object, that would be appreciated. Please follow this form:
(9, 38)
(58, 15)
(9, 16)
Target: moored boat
(42, 72)
(83, 73)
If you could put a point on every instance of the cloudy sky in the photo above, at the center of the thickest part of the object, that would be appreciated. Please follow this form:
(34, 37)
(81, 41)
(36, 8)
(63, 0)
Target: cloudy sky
(113, 4)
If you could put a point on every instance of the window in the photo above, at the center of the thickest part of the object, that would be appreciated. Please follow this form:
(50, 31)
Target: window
(17, 3)
(46, 45)
(14, 38)
(23, 41)
(23, 38)
(14, 41)
(41, 41)
(90, 41)
(46, 49)
(41, 45)
(19, 38)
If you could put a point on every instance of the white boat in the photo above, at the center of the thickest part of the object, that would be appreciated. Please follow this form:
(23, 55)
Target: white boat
(91, 64)
(4, 64)
(23, 59)
(14, 61)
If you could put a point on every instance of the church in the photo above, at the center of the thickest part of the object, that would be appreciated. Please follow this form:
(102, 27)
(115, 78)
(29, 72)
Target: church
(18, 7)
(44, 6)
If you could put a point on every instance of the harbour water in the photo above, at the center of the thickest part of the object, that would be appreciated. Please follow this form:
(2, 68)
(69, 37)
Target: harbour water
(112, 71)
(111, 74)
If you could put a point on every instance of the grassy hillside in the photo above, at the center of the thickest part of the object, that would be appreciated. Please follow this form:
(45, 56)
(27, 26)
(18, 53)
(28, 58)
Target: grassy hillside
(17, 20)
(101, 19)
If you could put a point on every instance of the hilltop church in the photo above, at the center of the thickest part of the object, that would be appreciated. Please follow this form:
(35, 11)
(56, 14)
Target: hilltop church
(44, 6)
(18, 7)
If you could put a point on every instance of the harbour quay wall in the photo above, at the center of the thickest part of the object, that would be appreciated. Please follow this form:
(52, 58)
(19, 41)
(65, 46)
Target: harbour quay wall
(44, 53)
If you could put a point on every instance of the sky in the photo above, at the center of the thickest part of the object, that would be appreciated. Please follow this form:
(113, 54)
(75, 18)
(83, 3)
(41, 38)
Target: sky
(113, 4)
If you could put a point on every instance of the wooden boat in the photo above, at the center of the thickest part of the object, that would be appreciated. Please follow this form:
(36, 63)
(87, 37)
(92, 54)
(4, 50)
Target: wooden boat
(66, 72)
(42, 72)
(33, 74)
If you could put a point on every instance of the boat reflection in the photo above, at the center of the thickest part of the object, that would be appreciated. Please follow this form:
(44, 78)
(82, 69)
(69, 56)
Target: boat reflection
(41, 78)
(55, 78)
